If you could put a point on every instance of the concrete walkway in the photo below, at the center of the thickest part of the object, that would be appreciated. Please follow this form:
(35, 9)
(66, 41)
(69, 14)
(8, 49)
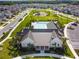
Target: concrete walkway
(68, 42)
(43, 54)
(14, 29)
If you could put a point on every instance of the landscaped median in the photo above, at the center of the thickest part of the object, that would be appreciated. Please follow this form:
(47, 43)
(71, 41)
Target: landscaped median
(8, 51)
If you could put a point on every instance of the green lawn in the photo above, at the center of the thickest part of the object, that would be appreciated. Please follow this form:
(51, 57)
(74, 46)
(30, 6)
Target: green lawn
(41, 58)
(61, 19)
(5, 53)
(23, 24)
(68, 52)
(64, 20)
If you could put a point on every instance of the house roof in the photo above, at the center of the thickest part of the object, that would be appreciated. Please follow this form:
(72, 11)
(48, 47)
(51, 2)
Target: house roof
(28, 40)
(42, 38)
(51, 25)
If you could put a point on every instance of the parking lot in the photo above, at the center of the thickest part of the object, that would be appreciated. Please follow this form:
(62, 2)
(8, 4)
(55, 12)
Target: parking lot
(73, 35)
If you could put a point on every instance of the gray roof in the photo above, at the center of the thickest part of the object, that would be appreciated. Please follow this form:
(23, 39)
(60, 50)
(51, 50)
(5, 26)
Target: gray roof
(40, 38)
(51, 25)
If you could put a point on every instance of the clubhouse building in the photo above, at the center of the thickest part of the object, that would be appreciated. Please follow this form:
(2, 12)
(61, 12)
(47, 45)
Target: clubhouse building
(42, 35)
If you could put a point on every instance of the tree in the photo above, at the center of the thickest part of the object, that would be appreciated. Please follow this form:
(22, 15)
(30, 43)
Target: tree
(13, 47)
(64, 41)
(4, 33)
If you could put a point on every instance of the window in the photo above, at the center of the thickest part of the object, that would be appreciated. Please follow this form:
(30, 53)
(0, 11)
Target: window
(46, 47)
(42, 47)
(37, 47)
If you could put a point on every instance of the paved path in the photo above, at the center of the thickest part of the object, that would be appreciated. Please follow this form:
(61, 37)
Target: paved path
(14, 28)
(68, 42)
(43, 54)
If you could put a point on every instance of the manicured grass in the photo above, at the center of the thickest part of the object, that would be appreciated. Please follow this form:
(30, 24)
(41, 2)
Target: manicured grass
(68, 52)
(41, 58)
(61, 19)
(5, 53)
(64, 20)
(23, 24)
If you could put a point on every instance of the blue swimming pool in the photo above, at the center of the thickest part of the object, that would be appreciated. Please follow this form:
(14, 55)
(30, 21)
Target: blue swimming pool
(40, 25)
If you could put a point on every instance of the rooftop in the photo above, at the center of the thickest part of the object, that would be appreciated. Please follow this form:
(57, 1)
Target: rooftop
(42, 38)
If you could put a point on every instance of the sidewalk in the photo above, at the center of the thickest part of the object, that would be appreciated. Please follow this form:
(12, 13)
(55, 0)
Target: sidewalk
(43, 54)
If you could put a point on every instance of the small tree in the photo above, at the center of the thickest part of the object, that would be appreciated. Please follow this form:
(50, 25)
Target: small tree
(4, 33)
(64, 41)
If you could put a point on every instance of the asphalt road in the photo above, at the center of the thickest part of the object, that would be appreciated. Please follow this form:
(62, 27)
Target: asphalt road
(13, 23)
